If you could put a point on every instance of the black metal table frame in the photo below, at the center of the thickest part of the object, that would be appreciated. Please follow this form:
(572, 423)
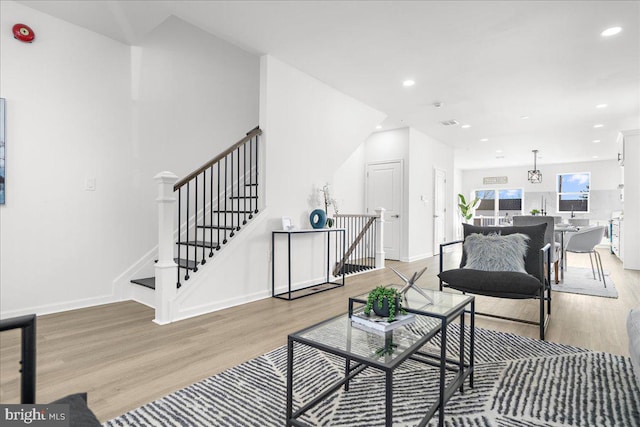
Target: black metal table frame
(287, 295)
(463, 369)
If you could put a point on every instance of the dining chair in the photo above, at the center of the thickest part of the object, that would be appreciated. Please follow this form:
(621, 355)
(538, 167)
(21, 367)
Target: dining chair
(585, 241)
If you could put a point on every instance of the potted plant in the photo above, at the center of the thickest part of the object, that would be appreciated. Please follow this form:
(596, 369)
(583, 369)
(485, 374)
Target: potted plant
(385, 302)
(466, 209)
(534, 212)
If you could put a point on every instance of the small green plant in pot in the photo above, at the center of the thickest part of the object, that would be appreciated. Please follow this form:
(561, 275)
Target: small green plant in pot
(386, 302)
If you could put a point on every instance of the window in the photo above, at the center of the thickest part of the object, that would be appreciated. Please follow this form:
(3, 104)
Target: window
(500, 205)
(573, 192)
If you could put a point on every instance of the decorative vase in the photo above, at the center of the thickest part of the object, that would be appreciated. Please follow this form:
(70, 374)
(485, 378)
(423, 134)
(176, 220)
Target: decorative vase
(318, 218)
(383, 310)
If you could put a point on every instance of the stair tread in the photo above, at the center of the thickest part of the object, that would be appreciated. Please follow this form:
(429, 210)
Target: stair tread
(149, 282)
(199, 243)
(186, 263)
(243, 197)
(216, 227)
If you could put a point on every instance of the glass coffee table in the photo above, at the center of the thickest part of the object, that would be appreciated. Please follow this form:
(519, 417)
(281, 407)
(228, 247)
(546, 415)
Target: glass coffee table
(362, 348)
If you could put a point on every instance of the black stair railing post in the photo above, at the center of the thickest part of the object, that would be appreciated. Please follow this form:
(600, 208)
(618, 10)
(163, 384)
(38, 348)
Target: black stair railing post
(257, 173)
(237, 181)
(244, 182)
(195, 228)
(211, 211)
(186, 277)
(232, 208)
(226, 197)
(219, 205)
(179, 232)
(204, 215)
(250, 178)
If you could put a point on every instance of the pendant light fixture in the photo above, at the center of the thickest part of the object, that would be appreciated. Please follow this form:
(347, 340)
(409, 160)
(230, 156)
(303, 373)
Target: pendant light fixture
(535, 176)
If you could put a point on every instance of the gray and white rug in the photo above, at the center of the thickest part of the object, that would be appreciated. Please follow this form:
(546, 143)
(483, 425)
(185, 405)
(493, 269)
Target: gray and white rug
(518, 382)
(580, 281)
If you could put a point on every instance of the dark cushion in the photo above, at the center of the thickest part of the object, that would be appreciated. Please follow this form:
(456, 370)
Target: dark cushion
(505, 284)
(535, 243)
(80, 414)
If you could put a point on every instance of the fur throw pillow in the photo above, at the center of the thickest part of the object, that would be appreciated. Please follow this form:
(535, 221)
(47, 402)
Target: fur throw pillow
(493, 252)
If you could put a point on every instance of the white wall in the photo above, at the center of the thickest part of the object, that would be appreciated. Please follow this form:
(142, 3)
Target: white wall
(631, 230)
(80, 106)
(605, 177)
(420, 155)
(311, 131)
(68, 120)
(426, 154)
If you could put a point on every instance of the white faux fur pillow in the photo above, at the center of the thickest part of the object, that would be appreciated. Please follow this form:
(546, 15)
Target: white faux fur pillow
(633, 329)
(496, 253)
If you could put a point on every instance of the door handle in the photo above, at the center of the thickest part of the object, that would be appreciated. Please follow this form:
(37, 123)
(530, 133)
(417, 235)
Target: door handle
(395, 216)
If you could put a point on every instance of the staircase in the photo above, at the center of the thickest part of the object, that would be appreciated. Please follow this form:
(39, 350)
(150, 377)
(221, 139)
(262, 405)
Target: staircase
(214, 202)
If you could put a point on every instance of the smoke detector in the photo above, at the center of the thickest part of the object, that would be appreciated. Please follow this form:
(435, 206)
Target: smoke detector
(437, 104)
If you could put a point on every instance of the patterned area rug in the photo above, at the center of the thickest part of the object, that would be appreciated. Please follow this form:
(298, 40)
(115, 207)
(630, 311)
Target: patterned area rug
(580, 281)
(518, 382)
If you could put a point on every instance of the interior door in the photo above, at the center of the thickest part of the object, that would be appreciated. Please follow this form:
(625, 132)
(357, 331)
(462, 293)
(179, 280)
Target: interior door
(384, 190)
(439, 208)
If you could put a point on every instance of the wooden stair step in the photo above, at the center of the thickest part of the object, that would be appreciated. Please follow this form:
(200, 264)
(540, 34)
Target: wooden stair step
(217, 227)
(184, 263)
(199, 243)
(148, 282)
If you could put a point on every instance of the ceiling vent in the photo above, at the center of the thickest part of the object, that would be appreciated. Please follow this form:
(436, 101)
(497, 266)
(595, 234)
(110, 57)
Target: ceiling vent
(449, 122)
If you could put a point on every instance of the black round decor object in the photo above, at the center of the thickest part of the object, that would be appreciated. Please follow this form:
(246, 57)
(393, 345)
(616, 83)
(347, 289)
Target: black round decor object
(384, 309)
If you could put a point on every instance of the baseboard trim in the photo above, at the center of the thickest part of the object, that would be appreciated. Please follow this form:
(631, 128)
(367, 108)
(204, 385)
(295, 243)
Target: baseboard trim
(60, 307)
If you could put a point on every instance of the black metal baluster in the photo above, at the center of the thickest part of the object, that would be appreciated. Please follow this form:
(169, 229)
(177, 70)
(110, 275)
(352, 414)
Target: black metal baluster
(204, 216)
(179, 232)
(186, 277)
(237, 181)
(225, 200)
(211, 212)
(257, 176)
(195, 229)
(237, 199)
(244, 182)
(250, 177)
(219, 205)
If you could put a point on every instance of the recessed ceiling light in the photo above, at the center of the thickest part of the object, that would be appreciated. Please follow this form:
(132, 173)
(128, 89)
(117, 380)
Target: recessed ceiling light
(379, 127)
(408, 83)
(612, 31)
(602, 106)
(599, 125)
(484, 139)
(465, 126)
(498, 151)
(595, 141)
(499, 157)
(524, 117)
(594, 157)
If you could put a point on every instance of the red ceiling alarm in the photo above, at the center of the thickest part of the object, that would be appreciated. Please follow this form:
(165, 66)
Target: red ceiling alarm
(23, 33)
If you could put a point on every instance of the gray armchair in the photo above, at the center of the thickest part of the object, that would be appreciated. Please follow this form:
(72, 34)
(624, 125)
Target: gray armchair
(533, 283)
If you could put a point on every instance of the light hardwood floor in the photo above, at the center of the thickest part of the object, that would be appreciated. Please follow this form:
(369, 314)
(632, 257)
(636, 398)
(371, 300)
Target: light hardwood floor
(123, 360)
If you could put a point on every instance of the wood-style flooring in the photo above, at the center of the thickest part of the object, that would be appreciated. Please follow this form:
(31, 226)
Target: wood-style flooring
(123, 360)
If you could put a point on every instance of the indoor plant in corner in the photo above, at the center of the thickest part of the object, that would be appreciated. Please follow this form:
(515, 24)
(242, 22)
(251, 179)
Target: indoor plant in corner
(385, 302)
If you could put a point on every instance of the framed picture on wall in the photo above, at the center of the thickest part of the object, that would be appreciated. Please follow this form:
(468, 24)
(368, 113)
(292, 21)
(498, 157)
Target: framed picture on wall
(3, 139)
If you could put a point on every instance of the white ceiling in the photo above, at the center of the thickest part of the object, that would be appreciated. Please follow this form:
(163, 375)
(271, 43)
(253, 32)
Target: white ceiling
(488, 62)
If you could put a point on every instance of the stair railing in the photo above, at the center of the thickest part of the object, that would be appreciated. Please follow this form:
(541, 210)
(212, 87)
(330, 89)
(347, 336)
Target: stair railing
(213, 203)
(364, 238)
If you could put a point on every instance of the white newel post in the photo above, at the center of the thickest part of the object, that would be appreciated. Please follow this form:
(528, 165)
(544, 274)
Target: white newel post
(380, 238)
(166, 268)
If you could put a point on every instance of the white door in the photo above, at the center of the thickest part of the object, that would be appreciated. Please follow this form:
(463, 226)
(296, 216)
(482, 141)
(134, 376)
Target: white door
(384, 190)
(439, 208)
